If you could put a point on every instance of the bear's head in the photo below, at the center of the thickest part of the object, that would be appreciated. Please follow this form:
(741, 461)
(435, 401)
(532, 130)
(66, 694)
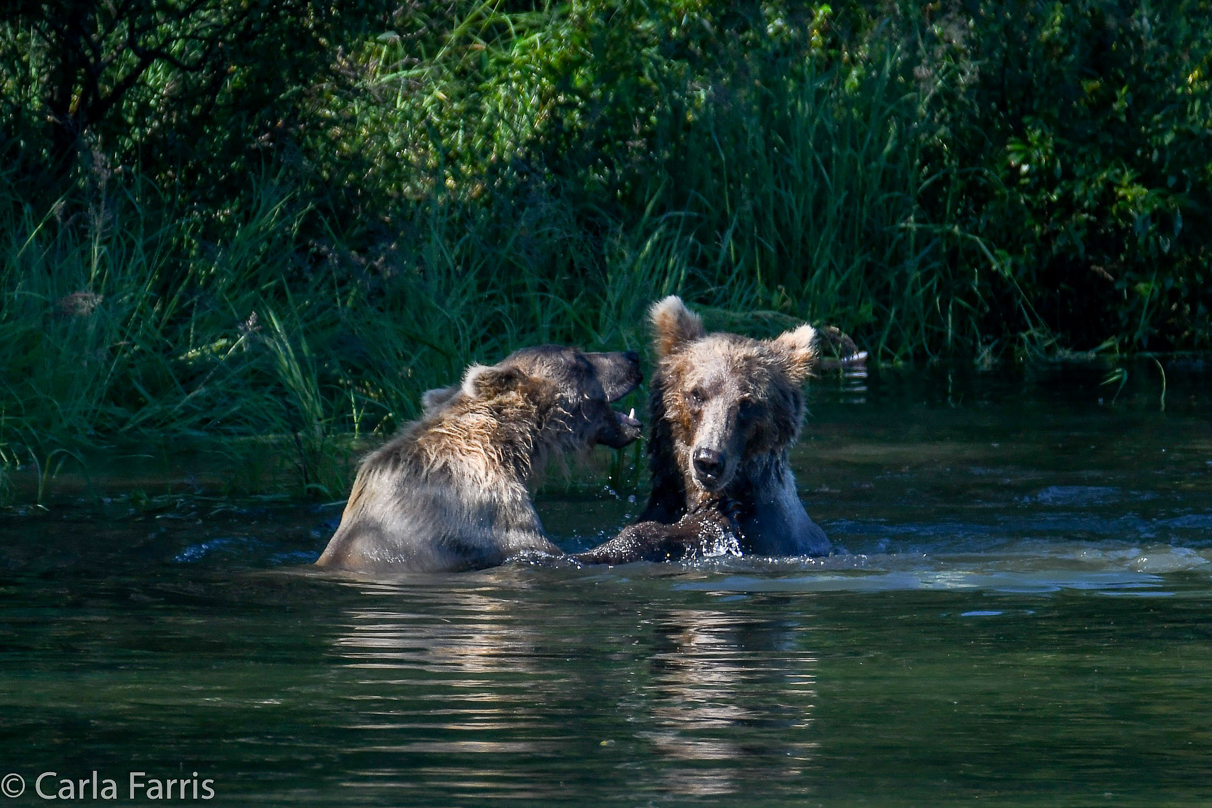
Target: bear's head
(727, 399)
(560, 394)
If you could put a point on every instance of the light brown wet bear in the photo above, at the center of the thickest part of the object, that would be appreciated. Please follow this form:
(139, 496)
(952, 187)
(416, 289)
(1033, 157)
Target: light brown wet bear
(725, 412)
(450, 492)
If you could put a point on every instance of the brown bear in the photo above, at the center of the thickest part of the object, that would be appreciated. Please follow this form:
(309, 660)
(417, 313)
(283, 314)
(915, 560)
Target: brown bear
(725, 411)
(450, 491)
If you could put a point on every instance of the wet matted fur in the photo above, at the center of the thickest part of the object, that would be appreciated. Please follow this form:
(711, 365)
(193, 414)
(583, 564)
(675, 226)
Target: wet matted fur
(450, 491)
(726, 410)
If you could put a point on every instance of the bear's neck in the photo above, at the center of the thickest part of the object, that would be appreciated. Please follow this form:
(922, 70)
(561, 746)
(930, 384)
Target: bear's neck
(488, 444)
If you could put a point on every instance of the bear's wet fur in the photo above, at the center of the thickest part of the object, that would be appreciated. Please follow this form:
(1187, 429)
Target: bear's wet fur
(450, 492)
(726, 410)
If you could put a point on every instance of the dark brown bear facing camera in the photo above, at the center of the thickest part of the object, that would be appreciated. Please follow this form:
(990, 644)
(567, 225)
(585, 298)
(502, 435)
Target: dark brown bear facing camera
(726, 411)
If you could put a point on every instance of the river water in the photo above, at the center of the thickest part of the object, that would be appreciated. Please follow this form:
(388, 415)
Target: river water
(1019, 613)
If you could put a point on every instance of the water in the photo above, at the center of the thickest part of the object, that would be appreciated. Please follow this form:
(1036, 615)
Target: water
(1022, 616)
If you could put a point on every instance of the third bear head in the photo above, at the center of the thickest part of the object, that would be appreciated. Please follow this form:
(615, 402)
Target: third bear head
(729, 400)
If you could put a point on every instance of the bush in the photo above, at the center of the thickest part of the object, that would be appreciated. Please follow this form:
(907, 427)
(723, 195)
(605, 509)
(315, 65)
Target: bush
(394, 192)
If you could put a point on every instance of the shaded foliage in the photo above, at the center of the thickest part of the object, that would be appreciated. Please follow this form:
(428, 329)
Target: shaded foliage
(396, 189)
(185, 91)
(1087, 129)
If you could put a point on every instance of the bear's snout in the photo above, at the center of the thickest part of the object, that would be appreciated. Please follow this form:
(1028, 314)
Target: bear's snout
(709, 466)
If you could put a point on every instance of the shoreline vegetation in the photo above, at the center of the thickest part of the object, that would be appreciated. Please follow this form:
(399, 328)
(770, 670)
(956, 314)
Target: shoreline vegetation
(275, 225)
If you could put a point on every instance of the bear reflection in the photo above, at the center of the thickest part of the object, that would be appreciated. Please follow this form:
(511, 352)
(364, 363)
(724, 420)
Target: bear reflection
(730, 693)
(463, 686)
(447, 693)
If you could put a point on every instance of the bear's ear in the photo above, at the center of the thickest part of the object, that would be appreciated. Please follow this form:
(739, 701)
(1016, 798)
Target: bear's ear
(440, 397)
(490, 381)
(673, 324)
(798, 350)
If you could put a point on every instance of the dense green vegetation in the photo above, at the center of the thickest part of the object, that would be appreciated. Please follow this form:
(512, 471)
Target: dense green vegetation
(289, 218)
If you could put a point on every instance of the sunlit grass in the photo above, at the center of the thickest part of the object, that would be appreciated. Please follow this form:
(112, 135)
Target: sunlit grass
(441, 215)
(125, 319)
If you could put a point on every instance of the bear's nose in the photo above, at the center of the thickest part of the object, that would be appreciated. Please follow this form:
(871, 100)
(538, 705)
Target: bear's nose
(632, 357)
(708, 463)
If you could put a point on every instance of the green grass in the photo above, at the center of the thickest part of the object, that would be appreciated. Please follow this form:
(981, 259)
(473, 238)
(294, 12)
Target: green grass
(489, 177)
(125, 326)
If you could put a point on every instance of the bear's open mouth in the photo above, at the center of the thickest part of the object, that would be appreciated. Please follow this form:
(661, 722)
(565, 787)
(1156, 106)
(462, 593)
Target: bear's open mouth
(626, 430)
(629, 419)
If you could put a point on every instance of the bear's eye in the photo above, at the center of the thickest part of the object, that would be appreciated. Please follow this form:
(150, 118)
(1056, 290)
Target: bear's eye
(695, 397)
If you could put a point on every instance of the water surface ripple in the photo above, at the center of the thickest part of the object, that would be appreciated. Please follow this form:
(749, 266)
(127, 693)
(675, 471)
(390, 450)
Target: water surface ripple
(1019, 613)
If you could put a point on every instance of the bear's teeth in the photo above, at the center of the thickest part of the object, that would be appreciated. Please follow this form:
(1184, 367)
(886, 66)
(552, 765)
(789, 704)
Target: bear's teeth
(631, 414)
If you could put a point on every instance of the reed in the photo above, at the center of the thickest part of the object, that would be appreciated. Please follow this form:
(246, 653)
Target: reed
(484, 178)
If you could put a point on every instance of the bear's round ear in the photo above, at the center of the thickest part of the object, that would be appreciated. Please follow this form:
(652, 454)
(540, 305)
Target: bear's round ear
(673, 324)
(798, 351)
(490, 381)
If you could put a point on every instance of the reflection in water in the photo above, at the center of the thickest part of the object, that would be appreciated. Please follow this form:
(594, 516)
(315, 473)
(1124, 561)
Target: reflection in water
(707, 666)
(474, 687)
(450, 691)
(1024, 620)
(475, 635)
